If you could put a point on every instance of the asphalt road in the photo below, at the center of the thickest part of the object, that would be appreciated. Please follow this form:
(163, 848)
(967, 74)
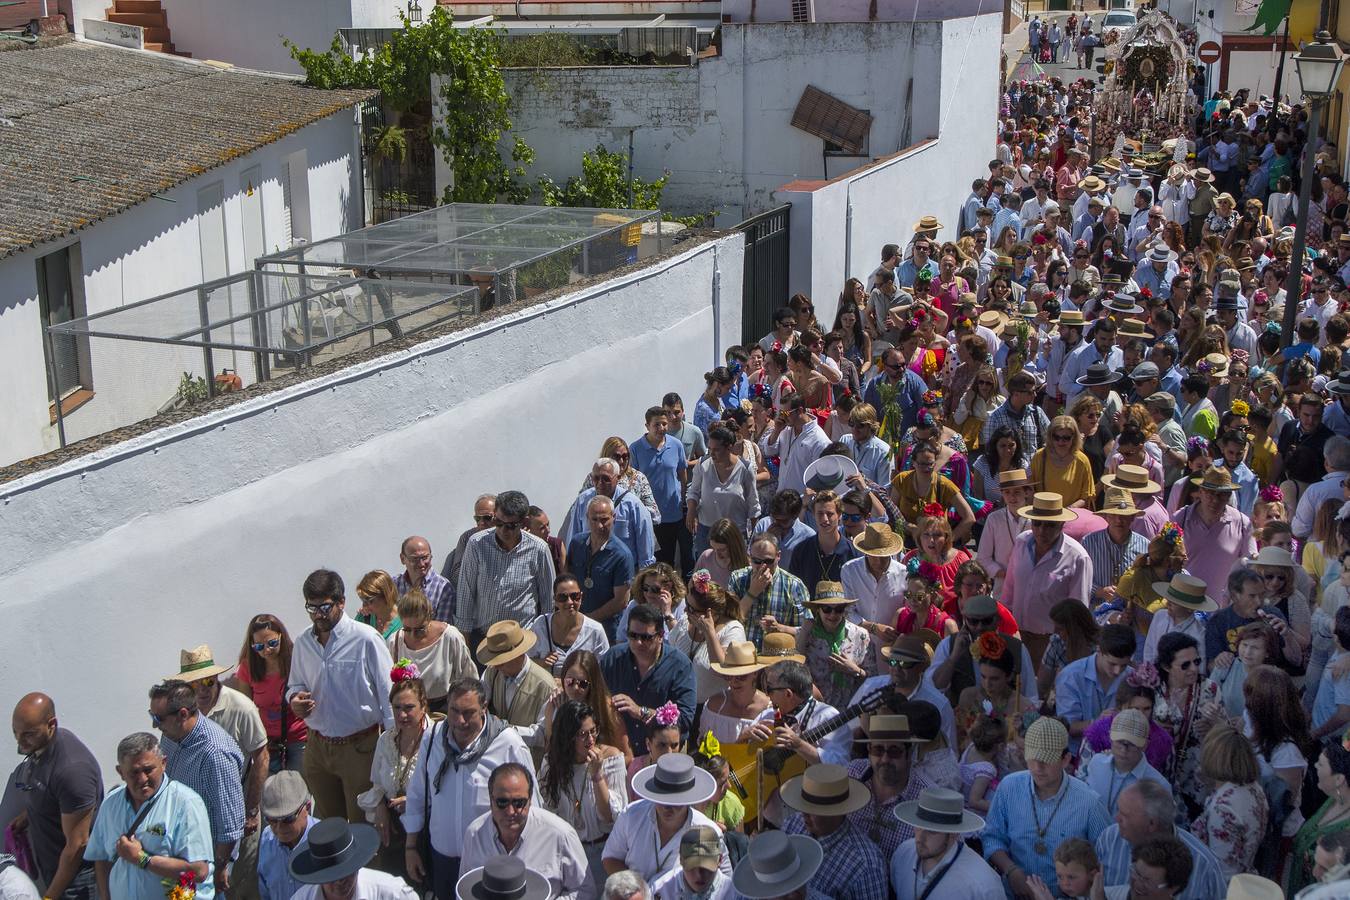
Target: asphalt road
(1067, 68)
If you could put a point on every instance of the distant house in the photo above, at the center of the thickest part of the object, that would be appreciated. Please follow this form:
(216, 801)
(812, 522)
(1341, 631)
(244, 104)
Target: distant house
(126, 174)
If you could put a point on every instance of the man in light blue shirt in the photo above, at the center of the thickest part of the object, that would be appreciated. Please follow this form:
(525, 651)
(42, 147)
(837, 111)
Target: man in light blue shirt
(1085, 688)
(151, 829)
(632, 521)
(1110, 772)
(1145, 810)
(286, 808)
(662, 459)
(907, 271)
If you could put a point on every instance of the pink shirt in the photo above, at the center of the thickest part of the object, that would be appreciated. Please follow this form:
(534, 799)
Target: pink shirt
(1154, 517)
(1032, 587)
(1212, 551)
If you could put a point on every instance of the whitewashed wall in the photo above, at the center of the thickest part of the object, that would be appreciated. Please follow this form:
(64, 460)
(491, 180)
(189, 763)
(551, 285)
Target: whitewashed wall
(856, 10)
(839, 227)
(152, 249)
(116, 561)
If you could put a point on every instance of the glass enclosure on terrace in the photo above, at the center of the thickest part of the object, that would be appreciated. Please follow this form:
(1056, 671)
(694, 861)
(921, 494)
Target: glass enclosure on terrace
(507, 252)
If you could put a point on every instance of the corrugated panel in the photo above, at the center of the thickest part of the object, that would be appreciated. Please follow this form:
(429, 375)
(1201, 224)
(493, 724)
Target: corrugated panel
(662, 41)
(831, 119)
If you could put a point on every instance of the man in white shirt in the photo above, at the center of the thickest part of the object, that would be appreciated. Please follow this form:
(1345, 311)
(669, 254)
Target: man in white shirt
(454, 764)
(339, 684)
(329, 865)
(806, 441)
(877, 581)
(936, 864)
(697, 877)
(646, 835)
(515, 826)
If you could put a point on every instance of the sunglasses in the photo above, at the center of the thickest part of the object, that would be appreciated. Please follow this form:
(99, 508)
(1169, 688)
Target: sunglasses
(483, 519)
(651, 587)
(509, 526)
(1189, 664)
(622, 457)
(516, 803)
(416, 631)
(272, 644)
(851, 517)
(888, 752)
(902, 663)
(208, 682)
(634, 637)
(566, 596)
(319, 609)
(581, 684)
(760, 561)
(979, 621)
(1062, 438)
(284, 820)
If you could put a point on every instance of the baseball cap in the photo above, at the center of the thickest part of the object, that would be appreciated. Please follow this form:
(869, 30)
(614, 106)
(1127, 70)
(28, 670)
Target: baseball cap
(1131, 726)
(1162, 399)
(1144, 370)
(700, 847)
(1046, 740)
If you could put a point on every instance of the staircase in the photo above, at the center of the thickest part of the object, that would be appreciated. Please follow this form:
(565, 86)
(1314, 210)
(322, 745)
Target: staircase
(150, 15)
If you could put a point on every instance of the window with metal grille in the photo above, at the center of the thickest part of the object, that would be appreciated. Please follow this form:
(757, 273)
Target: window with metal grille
(834, 121)
(801, 10)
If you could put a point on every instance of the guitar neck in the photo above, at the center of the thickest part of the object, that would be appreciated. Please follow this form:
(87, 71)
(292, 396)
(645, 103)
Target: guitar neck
(834, 723)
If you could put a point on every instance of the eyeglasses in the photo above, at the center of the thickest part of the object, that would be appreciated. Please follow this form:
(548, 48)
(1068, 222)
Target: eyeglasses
(284, 820)
(897, 663)
(272, 644)
(319, 609)
(788, 323)
(509, 526)
(888, 752)
(567, 596)
(981, 621)
(483, 519)
(762, 561)
(634, 636)
(581, 684)
(589, 734)
(850, 517)
(420, 558)
(653, 587)
(516, 803)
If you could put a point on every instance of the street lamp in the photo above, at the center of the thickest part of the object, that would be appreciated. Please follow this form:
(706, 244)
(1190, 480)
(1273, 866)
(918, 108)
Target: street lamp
(414, 12)
(1319, 68)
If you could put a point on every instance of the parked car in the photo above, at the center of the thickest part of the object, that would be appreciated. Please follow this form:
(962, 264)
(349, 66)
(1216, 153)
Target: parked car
(1117, 21)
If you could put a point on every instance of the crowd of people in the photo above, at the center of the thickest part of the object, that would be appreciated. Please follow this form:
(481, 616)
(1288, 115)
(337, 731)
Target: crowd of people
(1027, 575)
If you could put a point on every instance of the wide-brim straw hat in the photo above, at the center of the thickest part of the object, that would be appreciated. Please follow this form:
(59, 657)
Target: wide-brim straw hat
(1186, 590)
(992, 319)
(1047, 507)
(917, 646)
(1218, 365)
(1014, 478)
(1245, 886)
(776, 865)
(1274, 556)
(504, 642)
(1070, 317)
(890, 729)
(1203, 175)
(1092, 184)
(939, 809)
(674, 780)
(1134, 328)
(928, 223)
(1119, 503)
(1131, 478)
(878, 539)
(196, 664)
(503, 878)
(830, 593)
(776, 648)
(1215, 478)
(740, 658)
(825, 790)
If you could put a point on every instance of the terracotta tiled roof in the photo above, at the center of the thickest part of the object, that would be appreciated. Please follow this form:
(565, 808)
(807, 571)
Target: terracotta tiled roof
(88, 130)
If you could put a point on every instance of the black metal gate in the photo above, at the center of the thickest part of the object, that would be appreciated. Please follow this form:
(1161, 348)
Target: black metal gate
(397, 186)
(765, 287)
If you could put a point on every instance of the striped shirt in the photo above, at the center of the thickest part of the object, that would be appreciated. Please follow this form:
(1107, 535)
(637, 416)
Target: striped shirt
(852, 868)
(1207, 881)
(1109, 559)
(211, 763)
(497, 584)
(437, 589)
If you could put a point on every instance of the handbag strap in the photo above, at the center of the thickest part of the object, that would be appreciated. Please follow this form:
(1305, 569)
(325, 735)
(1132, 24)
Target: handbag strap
(145, 811)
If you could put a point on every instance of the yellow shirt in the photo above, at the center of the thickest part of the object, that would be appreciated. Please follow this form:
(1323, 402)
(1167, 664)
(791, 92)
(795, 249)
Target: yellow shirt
(1263, 459)
(1073, 482)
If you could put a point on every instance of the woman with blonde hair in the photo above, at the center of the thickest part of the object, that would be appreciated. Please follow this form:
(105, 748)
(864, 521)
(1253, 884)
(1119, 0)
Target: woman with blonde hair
(712, 621)
(1061, 466)
(658, 585)
(976, 404)
(630, 479)
(1233, 822)
(379, 602)
(438, 650)
(1098, 434)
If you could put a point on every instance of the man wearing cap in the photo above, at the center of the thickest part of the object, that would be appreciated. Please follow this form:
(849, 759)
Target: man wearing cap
(1146, 810)
(1124, 763)
(888, 774)
(954, 668)
(698, 876)
(1240, 334)
(909, 658)
(515, 826)
(1100, 349)
(1216, 534)
(286, 810)
(203, 756)
(1115, 548)
(936, 864)
(517, 687)
(1169, 437)
(647, 835)
(1046, 566)
(823, 797)
(330, 865)
(1156, 271)
(1034, 811)
(779, 867)
(456, 758)
(238, 715)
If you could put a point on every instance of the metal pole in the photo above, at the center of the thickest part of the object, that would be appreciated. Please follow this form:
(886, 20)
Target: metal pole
(56, 385)
(630, 168)
(1292, 293)
(1279, 70)
(206, 339)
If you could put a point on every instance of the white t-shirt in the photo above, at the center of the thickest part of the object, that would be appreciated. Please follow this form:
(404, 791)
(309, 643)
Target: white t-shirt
(370, 885)
(634, 837)
(15, 885)
(668, 886)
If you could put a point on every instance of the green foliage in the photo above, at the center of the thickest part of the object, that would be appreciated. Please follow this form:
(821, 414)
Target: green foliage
(389, 142)
(192, 390)
(545, 51)
(603, 185)
(473, 96)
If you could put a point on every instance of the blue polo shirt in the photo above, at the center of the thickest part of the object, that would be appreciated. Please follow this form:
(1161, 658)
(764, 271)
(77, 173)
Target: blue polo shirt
(662, 468)
(176, 826)
(599, 574)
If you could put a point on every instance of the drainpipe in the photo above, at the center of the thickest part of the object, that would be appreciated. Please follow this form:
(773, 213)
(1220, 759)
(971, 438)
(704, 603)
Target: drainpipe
(717, 308)
(848, 228)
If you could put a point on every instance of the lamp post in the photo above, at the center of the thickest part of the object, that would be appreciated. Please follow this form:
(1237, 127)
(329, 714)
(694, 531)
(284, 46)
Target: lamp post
(1318, 66)
(414, 12)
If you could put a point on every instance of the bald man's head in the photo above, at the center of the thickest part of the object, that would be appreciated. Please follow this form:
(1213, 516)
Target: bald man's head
(34, 722)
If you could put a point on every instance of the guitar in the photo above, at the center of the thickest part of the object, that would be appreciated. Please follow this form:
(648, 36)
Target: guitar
(759, 768)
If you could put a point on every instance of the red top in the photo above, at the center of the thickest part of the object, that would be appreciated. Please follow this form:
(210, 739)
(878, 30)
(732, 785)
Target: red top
(268, 696)
(936, 621)
(946, 575)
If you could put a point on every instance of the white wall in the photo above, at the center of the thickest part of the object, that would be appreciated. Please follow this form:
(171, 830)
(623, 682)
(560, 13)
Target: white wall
(722, 128)
(855, 10)
(153, 249)
(177, 537)
(839, 227)
(248, 33)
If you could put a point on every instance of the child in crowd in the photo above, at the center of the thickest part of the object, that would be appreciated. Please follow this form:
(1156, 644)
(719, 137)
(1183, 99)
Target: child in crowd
(1076, 866)
(933, 759)
(1257, 644)
(979, 762)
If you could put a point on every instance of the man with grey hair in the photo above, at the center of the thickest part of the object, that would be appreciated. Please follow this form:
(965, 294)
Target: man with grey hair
(1145, 810)
(1336, 454)
(626, 885)
(150, 830)
(603, 565)
(632, 521)
(483, 509)
(507, 572)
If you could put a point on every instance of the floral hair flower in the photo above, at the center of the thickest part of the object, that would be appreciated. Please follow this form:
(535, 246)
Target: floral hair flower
(1271, 494)
(848, 392)
(989, 645)
(700, 581)
(925, 420)
(709, 746)
(1171, 533)
(1144, 675)
(936, 510)
(1273, 327)
(1239, 408)
(667, 714)
(404, 670)
(924, 276)
(1080, 244)
(1196, 444)
(965, 322)
(1203, 367)
(1145, 293)
(734, 368)
(777, 347)
(1239, 356)
(932, 398)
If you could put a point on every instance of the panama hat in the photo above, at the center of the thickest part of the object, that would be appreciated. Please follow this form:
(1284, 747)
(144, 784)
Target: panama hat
(939, 809)
(890, 729)
(1204, 175)
(504, 642)
(1161, 254)
(1186, 590)
(1046, 740)
(674, 780)
(1217, 479)
(830, 593)
(333, 850)
(1070, 317)
(1123, 302)
(928, 223)
(1244, 886)
(778, 648)
(992, 319)
(1119, 503)
(1092, 184)
(776, 865)
(1047, 507)
(827, 473)
(1013, 478)
(1133, 328)
(739, 659)
(1274, 556)
(825, 790)
(877, 539)
(1131, 478)
(503, 878)
(1218, 365)
(196, 664)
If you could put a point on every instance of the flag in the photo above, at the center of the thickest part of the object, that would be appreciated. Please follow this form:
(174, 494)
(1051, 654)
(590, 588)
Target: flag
(1270, 15)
